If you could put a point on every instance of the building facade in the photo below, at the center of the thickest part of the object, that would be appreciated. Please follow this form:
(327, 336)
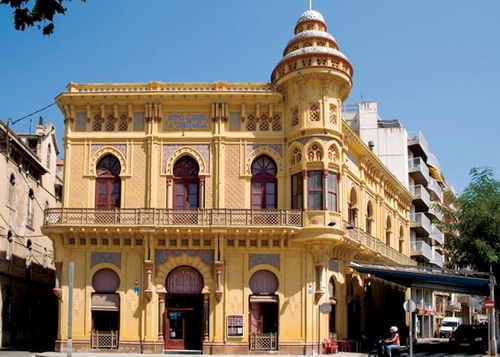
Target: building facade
(408, 157)
(224, 217)
(30, 185)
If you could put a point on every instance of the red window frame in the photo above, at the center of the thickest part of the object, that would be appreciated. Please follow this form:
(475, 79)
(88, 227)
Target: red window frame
(264, 184)
(108, 183)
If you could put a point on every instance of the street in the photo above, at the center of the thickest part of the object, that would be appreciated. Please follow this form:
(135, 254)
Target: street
(434, 347)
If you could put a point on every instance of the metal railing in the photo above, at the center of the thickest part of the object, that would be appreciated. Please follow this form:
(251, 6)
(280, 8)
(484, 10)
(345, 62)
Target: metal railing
(419, 219)
(104, 339)
(356, 235)
(417, 164)
(264, 341)
(421, 248)
(173, 217)
(416, 137)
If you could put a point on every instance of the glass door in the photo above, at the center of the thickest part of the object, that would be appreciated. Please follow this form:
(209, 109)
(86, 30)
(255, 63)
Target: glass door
(175, 332)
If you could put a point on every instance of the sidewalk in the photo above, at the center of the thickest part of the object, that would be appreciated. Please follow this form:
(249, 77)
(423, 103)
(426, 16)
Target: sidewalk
(104, 354)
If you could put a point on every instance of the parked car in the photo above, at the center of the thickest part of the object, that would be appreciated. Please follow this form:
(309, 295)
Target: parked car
(448, 325)
(470, 337)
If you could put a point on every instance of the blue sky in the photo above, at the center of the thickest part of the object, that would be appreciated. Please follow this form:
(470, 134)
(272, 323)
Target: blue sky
(431, 64)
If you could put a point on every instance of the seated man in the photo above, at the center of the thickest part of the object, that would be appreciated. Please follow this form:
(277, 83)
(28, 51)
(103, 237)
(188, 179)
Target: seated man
(391, 342)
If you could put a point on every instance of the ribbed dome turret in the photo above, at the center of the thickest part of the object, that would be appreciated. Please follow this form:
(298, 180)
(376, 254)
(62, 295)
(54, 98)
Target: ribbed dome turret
(311, 49)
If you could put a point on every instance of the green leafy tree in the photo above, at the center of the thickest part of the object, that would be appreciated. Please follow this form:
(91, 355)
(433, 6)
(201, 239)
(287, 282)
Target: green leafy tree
(472, 221)
(39, 13)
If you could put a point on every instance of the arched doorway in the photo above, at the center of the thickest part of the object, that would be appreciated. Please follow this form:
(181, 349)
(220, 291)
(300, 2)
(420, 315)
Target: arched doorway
(332, 317)
(264, 313)
(184, 319)
(105, 307)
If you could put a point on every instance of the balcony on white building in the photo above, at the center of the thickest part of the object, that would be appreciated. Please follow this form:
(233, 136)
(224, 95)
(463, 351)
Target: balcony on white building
(417, 144)
(435, 213)
(421, 198)
(418, 170)
(435, 190)
(422, 250)
(437, 235)
(437, 259)
(420, 224)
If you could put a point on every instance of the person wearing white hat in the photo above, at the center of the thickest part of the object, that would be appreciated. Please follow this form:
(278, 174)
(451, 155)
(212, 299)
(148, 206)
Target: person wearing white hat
(391, 342)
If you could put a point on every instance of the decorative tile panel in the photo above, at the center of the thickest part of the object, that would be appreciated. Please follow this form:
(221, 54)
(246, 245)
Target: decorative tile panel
(162, 255)
(203, 150)
(275, 147)
(81, 122)
(186, 121)
(120, 147)
(257, 259)
(138, 121)
(105, 257)
(234, 121)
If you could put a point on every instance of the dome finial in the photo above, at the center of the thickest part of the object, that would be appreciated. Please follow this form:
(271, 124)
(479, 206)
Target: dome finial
(310, 4)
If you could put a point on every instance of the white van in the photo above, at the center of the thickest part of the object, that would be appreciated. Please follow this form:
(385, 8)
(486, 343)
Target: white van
(448, 325)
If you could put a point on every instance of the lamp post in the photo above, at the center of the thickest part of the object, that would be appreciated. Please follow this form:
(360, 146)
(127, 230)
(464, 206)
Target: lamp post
(492, 320)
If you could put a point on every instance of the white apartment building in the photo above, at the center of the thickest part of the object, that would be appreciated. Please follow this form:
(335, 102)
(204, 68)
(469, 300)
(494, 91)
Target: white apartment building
(408, 157)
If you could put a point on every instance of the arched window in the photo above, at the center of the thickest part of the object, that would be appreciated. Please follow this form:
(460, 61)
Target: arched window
(186, 183)
(369, 218)
(263, 282)
(30, 208)
(388, 231)
(105, 281)
(49, 151)
(264, 184)
(332, 300)
(401, 239)
(12, 182)
(108, 183)
(352, 208)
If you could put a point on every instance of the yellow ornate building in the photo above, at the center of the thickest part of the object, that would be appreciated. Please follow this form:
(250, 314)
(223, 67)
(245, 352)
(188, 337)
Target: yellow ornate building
(222, 217)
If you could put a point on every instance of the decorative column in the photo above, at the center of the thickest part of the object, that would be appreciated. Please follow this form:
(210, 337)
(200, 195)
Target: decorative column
(305, 190)
(57, 288)
(325, 191)
(319, 286)
(202, 192)
(206, 303)
(218, 289)
(149, 291)
(161, 314)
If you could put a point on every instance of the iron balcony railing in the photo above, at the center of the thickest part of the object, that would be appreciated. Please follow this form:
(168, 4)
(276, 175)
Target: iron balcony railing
(173, 217)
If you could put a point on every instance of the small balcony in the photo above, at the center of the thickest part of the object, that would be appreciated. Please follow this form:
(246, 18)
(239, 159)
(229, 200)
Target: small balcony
(435, 213)
(437, 235)
(437, 259)
(420, 223)
(417, 144)
(435, 190)
(421, 251)
(358, 237)
(171, 217)
(418, 169)
(421, 198)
